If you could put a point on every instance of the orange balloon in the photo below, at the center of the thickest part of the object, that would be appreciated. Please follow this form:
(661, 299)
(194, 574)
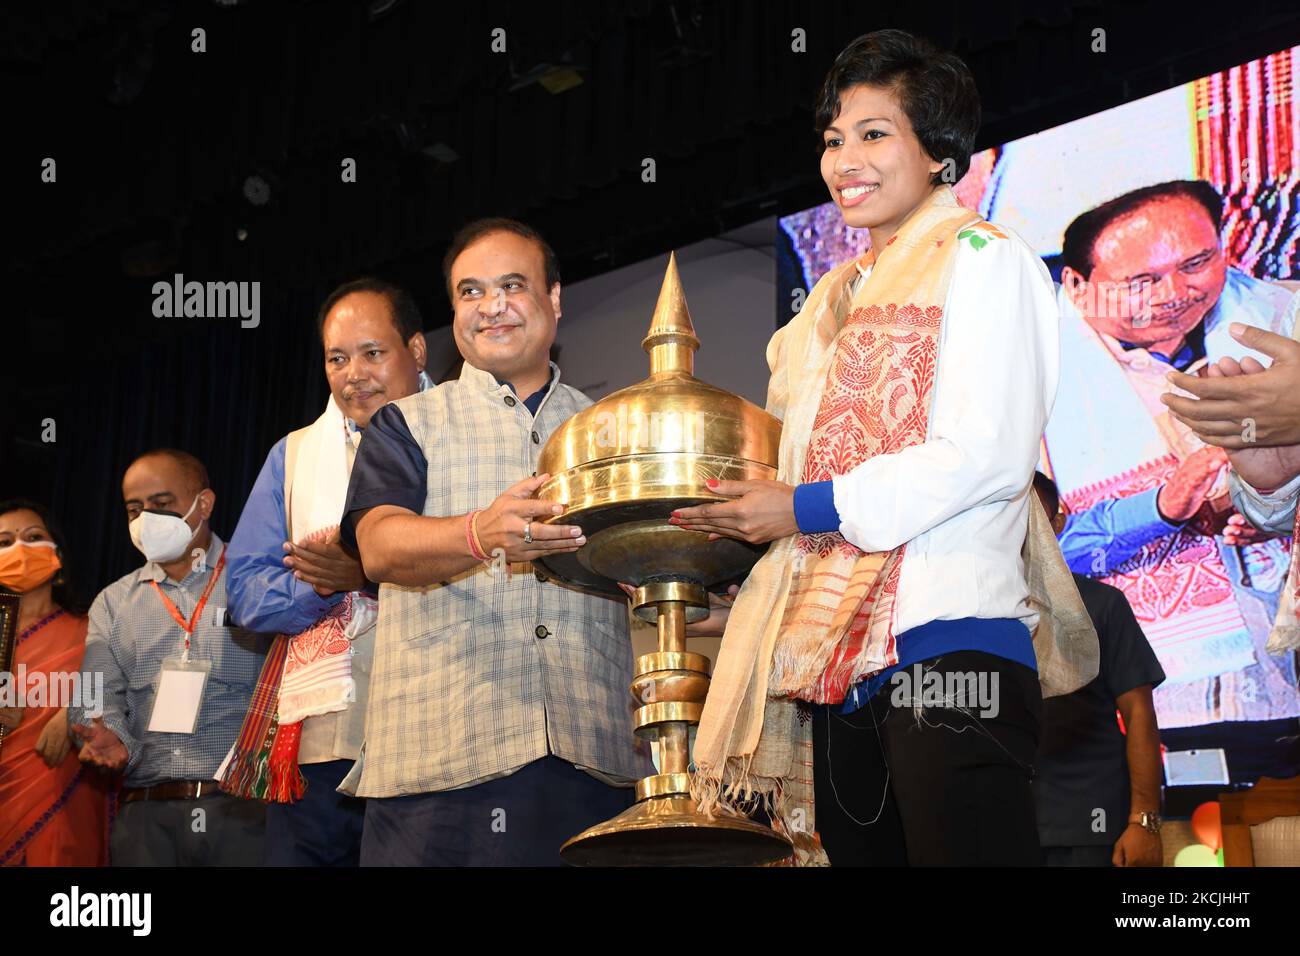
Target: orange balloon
(1207, 825)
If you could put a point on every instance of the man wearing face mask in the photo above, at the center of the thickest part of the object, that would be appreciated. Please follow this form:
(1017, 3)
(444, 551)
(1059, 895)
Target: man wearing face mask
(498, 724)
(177, 681)
(290, 576)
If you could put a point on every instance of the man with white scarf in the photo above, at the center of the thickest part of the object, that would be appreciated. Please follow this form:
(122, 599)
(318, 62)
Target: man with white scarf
(1147, 292)
(289, 575)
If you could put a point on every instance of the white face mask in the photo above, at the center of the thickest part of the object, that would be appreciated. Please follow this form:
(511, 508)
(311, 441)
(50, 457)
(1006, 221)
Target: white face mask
(162, 538)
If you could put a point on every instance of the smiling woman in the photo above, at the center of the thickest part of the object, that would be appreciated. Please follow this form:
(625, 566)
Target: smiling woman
(913, 386)
(896, 119)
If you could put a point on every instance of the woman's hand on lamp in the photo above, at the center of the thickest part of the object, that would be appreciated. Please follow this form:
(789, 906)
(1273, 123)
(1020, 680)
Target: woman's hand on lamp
(760, 511)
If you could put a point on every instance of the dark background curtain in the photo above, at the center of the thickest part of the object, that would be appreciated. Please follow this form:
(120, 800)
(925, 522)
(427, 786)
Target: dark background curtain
(155, 144)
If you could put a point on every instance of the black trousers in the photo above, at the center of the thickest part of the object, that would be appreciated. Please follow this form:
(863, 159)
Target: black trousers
(212, 830)
(321, 829)
(922, 776)
(521, 819)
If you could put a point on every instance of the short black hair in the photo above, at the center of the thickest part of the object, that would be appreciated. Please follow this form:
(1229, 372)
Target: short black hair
(935, 89)
(472, 232)
(401, 304)
(1081, 235)
(194, 470)
(1050, 493)
(64, 591)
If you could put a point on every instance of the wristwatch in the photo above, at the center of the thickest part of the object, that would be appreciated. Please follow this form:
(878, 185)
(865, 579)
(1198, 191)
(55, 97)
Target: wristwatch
(1146, 820)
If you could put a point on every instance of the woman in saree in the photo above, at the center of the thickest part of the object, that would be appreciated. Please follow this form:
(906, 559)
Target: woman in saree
(53, 810)
(878, 687)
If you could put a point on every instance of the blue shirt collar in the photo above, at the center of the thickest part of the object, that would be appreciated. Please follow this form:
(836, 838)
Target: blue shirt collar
(537, 395)
(1192, 349)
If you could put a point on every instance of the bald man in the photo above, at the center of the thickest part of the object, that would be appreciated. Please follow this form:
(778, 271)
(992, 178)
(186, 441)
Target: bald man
(176, 680)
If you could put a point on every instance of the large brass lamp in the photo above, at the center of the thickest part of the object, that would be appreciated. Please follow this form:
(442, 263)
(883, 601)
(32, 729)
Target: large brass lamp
(622, 466)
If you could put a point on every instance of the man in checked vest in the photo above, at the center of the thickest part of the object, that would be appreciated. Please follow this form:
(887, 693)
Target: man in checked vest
(499, 722)
(290, 576)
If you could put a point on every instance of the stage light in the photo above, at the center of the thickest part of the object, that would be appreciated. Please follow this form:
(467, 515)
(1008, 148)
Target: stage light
(257, 190)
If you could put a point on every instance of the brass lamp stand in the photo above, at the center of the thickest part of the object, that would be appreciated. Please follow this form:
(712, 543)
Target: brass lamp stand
(622, 466)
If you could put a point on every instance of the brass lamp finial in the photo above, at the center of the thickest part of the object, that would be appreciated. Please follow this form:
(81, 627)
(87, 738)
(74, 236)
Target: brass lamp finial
(671, 340)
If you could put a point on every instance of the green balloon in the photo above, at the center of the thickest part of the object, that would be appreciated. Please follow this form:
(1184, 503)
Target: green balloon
(1219, 854)
(1198, 854)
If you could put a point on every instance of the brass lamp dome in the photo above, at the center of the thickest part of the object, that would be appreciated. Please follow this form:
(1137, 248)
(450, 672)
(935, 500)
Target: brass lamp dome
(626, 462)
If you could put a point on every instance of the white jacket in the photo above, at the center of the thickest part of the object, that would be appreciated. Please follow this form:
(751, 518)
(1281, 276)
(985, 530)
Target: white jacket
(959, 499)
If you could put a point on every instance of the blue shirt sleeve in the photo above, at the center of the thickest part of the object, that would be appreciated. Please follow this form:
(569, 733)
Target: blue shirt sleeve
(101, 657)
(814, 507)
(261, 593)
(1098, 540)
(390, 469)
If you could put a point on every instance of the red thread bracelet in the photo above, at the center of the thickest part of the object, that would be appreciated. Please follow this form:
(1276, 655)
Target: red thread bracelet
(477, 540)
(471, 536)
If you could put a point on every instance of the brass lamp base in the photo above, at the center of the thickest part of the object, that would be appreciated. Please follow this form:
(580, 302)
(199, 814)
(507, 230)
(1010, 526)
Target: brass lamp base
(664, 827)
(670, 831)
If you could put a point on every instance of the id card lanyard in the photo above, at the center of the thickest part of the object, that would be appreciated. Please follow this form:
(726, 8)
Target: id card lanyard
(188, 626)
(181, 681)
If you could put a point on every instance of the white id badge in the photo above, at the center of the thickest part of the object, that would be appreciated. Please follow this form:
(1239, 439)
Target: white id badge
(180, 692)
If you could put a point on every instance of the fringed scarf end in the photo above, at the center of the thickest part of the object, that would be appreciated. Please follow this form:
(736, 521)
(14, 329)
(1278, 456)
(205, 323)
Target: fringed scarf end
(284, 782)
(1283, 638)
(734, 790)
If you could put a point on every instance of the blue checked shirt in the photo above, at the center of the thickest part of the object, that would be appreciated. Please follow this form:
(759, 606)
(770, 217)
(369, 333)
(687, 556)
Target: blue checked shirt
(131, 632)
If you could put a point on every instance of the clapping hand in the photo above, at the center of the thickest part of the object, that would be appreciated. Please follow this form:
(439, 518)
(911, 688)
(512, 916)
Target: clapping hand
(319, 560)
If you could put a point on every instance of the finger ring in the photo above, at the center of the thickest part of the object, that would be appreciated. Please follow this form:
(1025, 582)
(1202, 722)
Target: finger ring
(528, 532)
